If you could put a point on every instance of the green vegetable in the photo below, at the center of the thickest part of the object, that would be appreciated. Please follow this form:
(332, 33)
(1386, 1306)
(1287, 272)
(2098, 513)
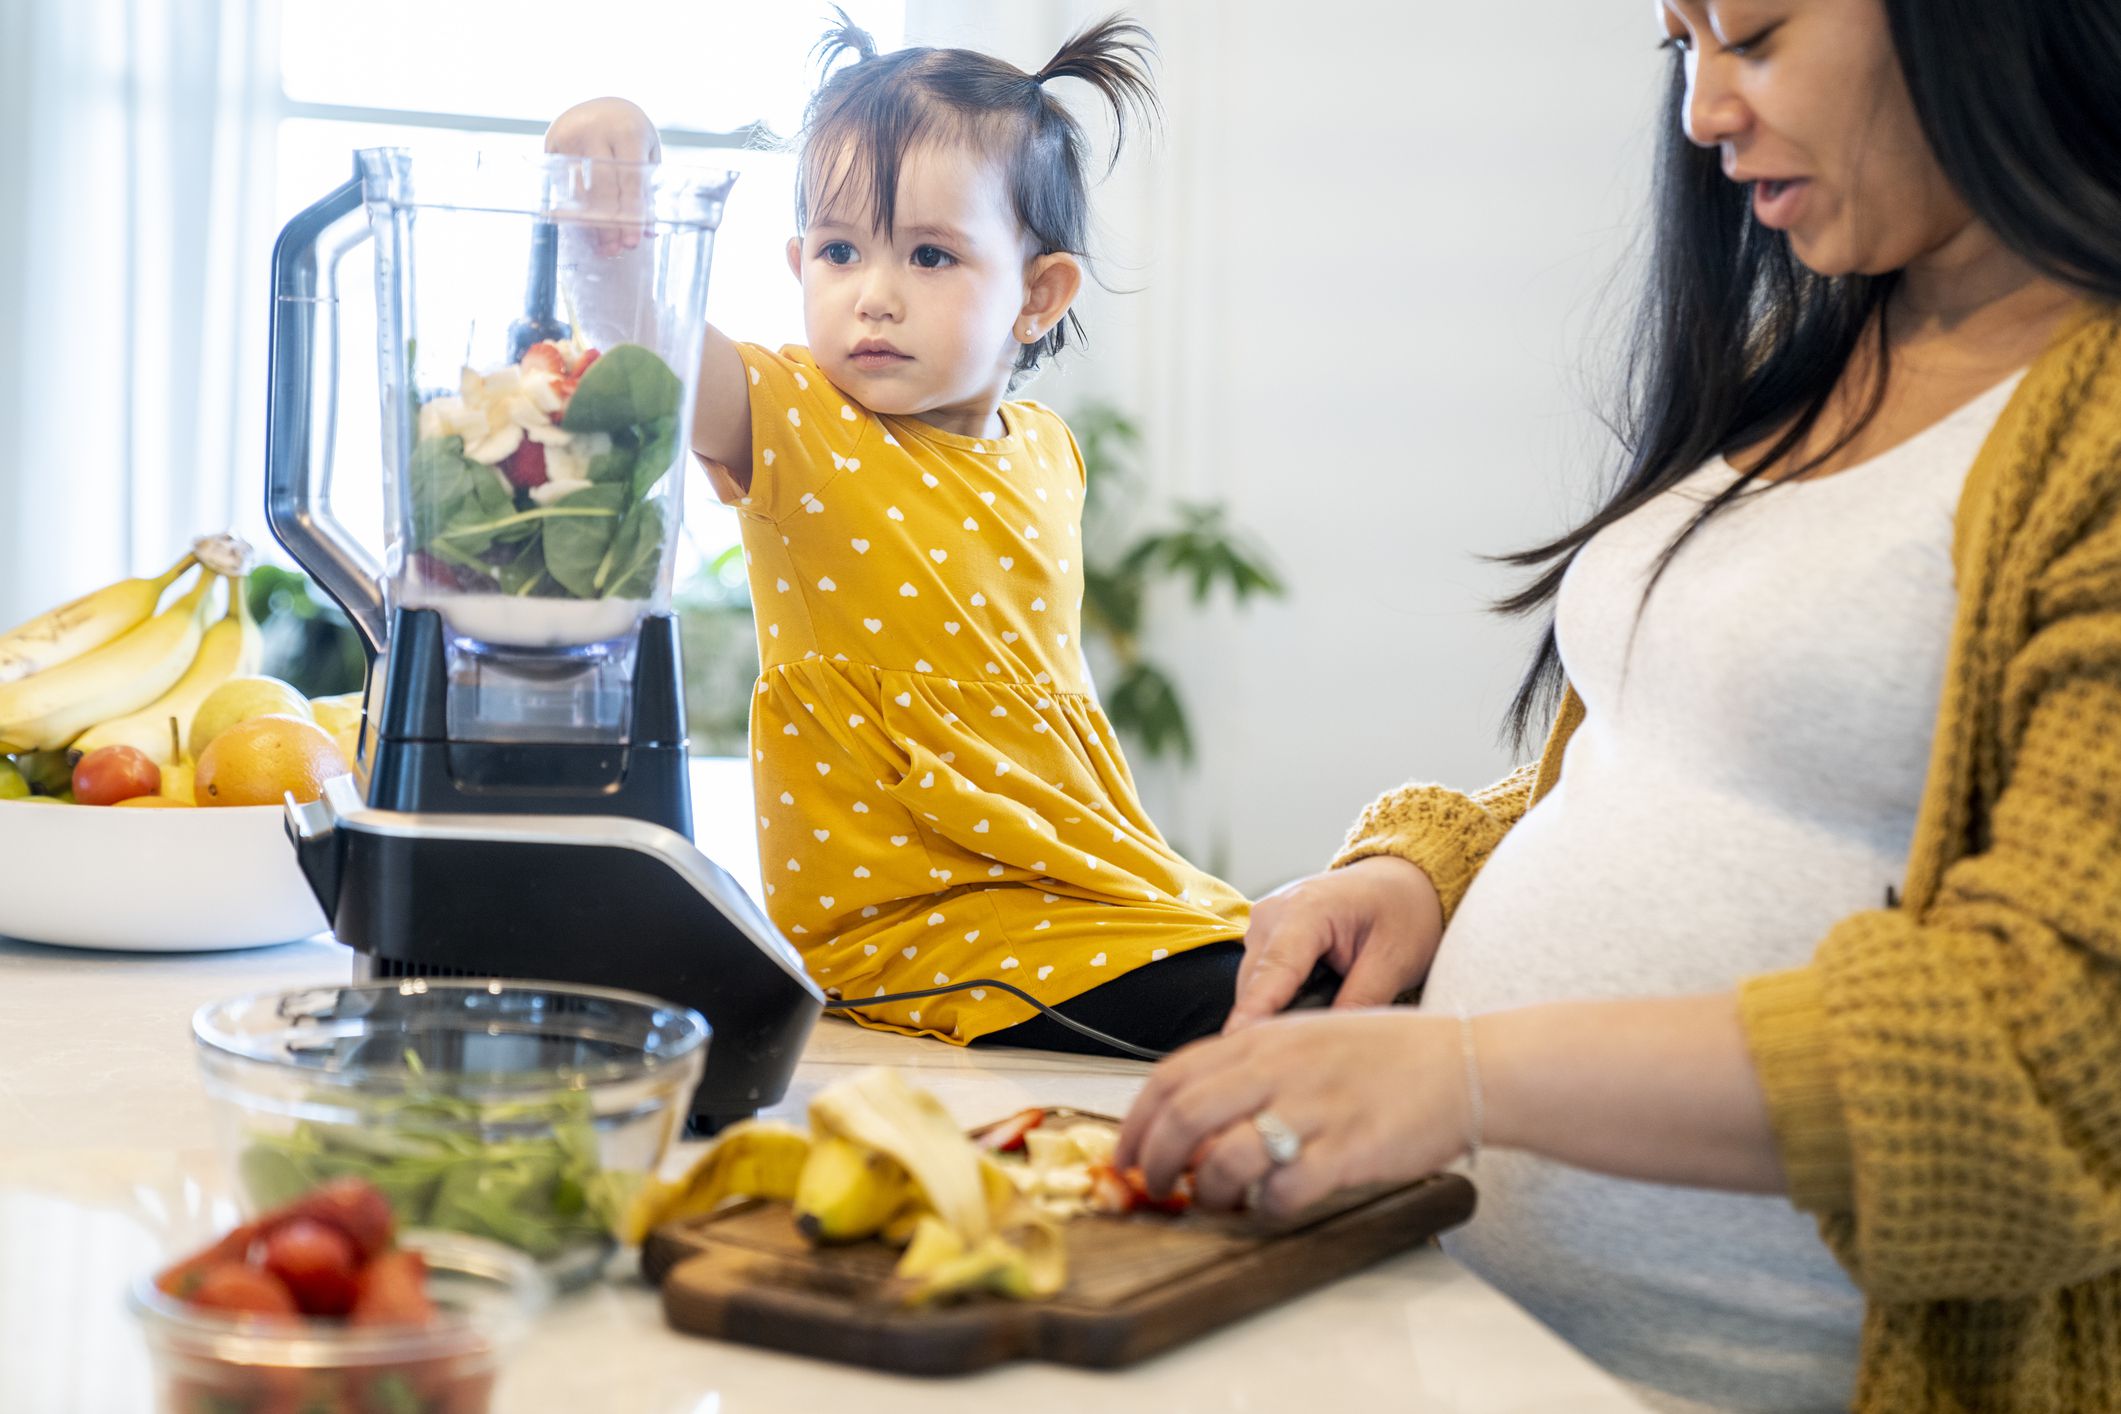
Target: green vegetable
(604, 541)
(627, 388)
(523, 1172)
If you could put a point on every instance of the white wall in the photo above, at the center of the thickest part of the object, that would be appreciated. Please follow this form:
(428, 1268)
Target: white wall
(1380, 251)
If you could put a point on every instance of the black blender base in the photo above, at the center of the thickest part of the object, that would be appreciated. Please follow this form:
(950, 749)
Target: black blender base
(595, 902)
(417, 767)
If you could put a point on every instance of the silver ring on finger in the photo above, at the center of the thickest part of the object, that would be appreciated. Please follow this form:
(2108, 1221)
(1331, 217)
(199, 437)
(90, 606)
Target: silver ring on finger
(1284, 1146)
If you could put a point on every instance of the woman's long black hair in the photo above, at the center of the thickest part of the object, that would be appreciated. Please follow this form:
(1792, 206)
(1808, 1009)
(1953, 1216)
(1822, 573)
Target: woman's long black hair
(2020, 100)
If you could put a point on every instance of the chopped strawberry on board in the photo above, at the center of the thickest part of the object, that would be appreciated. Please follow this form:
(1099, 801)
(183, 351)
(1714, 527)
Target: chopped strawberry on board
(1110, 1193)
(1115, 1191)
(1007, 1137)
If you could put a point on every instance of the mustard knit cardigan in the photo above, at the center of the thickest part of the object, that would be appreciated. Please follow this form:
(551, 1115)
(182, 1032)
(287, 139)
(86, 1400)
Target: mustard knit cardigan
(1944, 1077)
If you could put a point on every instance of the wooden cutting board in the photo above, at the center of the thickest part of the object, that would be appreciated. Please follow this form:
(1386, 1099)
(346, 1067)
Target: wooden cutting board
(1137, 1285)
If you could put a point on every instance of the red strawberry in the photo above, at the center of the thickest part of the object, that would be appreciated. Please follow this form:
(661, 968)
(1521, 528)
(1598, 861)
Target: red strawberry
(1110, 1192)
(567, 385)
(318, 1263)
(240, 1287)
(525, 466)
(393, 1291)
(352, 1205)
(180, 1278)
(1177, 1200)
(1008, 1136)
(545, 356)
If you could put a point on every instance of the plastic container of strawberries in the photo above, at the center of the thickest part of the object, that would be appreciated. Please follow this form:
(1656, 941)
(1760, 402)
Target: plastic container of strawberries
(216, 1362)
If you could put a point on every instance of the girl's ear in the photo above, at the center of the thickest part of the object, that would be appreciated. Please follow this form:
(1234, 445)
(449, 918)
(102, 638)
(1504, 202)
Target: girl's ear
(1051, 283)
(795, 256)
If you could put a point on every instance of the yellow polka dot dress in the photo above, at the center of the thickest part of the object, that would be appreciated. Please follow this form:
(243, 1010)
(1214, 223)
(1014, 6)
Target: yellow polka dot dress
(939, 795)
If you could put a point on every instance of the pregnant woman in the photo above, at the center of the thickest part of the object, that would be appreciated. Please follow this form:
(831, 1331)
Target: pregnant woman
(1785, 984)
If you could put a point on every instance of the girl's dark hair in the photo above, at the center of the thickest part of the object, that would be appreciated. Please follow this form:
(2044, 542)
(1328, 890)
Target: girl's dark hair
(876, 109)
(1734, 337)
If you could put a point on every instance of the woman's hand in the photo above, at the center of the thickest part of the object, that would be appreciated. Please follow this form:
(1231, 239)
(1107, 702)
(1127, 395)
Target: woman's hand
(1376, 922)
(614, 130)
(1374, 1097)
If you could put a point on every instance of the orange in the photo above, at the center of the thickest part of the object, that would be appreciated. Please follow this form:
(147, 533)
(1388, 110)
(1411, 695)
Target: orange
(264, 759)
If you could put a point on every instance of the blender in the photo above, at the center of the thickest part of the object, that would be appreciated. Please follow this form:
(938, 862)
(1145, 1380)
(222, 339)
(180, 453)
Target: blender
(527, 811)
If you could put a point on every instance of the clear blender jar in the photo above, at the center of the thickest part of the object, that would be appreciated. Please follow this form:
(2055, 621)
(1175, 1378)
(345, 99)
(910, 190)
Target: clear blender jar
(538, 332)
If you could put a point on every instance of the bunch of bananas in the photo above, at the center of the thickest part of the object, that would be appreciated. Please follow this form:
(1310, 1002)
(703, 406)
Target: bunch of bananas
(881, 1160)
(116, 667)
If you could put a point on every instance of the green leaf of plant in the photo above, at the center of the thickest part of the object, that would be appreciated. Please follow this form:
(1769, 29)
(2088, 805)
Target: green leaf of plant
(658, 450)
(1145, 703)
(522, 574)
(575, 544)
(628, 387)
(636, 554)
(440, 478)
(616, 464)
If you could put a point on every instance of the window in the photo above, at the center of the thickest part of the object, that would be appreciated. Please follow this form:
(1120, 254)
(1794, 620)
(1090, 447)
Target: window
(441, 77)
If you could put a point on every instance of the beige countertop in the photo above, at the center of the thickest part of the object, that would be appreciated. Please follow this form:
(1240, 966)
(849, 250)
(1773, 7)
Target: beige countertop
(107, 1167)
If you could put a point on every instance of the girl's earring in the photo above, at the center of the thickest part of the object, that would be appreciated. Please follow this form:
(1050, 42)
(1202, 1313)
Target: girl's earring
(1030, 330)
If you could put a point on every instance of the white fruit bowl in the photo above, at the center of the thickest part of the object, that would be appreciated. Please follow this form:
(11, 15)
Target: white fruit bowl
(91, 876)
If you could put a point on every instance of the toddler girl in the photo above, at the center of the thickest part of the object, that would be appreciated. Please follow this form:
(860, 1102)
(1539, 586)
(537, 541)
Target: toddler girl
(940, 798)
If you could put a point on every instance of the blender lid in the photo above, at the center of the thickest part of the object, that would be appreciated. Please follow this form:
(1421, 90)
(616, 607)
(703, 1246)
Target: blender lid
(341, 807)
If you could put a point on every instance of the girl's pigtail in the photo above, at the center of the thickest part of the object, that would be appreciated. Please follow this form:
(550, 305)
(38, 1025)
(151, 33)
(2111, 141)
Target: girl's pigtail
(1113, 56)
(846, 37)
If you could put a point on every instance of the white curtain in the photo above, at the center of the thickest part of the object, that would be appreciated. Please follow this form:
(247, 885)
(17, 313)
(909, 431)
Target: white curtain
(133, 191)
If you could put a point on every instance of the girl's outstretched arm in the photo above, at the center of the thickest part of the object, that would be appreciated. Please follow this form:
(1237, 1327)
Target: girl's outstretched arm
(721, 413)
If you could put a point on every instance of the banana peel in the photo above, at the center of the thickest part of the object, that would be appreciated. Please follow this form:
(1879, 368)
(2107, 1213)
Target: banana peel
(882, 1159)
(752, 1159)
(1027, 1264)
(878, 1109)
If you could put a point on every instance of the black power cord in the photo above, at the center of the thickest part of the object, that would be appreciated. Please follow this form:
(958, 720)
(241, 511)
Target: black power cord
(1124, 1047)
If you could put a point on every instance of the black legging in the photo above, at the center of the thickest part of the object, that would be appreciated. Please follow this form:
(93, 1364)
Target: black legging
(1161, 1006)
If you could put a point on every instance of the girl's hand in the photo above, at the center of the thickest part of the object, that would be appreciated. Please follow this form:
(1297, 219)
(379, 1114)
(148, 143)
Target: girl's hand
(615, 130)
(1376, 921)
(1375, 1097)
